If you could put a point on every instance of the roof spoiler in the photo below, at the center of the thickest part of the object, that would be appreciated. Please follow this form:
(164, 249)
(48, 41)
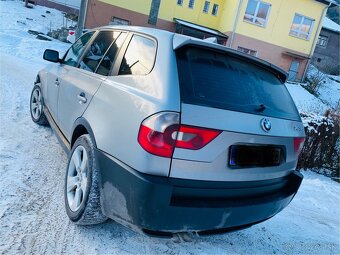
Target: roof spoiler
(180, 41)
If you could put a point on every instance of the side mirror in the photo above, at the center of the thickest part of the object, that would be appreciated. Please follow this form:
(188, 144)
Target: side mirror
(52, 56)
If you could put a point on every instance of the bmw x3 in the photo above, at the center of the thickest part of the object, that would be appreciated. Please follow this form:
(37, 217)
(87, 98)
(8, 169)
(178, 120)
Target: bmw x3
(166, 133)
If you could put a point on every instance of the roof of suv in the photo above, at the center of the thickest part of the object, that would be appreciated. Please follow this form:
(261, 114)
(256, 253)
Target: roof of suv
(180, 40)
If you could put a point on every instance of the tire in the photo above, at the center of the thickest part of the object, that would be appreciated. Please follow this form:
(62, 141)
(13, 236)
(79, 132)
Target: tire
(37, 107)
(82, 184)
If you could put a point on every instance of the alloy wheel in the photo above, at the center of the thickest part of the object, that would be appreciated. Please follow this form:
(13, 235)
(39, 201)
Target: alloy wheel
(36, 104)
(76, 182)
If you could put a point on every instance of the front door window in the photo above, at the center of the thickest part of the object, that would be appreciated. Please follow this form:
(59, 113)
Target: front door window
(74, 53)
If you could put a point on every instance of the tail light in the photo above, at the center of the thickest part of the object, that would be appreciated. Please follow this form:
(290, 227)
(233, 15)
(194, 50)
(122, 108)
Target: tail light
(194, 138)
(298, 145)
(71, 32)
(161, 133)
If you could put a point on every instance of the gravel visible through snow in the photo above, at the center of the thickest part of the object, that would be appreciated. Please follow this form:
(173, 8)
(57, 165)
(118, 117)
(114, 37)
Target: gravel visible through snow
(33, 164)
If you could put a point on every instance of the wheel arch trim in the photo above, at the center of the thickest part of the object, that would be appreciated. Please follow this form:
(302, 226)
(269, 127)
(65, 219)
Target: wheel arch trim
(37, 80)
(78, 125)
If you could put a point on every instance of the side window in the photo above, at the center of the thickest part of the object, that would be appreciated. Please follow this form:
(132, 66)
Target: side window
(215, 10)
(107, 62)
(72, 56)
(322, 41)
(139, 57)
(97, 50)
(191, 4)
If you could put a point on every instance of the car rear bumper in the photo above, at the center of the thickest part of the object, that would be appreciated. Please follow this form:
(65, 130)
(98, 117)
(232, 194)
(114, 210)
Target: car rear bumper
(164, 204)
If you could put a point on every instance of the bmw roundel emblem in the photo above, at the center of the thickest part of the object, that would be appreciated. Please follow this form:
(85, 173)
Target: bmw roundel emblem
(266, 125)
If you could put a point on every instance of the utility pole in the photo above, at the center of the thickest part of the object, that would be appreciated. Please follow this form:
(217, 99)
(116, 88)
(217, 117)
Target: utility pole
(81, 18)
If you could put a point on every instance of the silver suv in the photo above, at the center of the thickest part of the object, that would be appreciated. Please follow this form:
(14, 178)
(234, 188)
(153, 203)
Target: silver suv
(166, 133)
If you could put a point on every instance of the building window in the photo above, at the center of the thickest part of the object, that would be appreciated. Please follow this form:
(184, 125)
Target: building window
(301, 27)
(118, 21)
(257, 12)
(214, 10)
(322, 41)
(206, 6)
(247, 51)
(180, 2)
(191, 4)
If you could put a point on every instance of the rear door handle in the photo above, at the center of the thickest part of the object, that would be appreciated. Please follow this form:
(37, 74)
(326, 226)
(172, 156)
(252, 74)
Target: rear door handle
(82, 99)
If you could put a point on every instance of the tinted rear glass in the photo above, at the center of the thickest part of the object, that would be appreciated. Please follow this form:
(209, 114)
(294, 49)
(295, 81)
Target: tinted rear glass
(220, 80)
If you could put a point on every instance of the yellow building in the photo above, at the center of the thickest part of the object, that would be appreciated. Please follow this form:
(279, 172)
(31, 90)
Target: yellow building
(283, 32)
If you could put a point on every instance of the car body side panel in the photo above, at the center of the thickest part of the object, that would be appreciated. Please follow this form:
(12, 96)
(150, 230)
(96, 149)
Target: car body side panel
(74, 82)
(52, 88)
(123, 102)
(43, 74)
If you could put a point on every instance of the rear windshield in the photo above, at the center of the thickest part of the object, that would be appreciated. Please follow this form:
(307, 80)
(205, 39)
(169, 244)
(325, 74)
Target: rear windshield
(220, 80)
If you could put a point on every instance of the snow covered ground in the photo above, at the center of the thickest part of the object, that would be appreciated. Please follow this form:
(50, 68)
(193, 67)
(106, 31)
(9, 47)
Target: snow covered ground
(32, 166)
(329, 94)
(305, 101)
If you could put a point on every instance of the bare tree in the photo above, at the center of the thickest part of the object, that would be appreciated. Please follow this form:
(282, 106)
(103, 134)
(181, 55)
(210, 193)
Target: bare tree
(315, 79)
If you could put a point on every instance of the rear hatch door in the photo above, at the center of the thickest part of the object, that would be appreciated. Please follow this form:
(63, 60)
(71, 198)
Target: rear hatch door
(246, 100)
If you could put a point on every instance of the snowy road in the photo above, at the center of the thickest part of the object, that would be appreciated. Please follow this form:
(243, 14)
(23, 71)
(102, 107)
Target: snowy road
(32, 165)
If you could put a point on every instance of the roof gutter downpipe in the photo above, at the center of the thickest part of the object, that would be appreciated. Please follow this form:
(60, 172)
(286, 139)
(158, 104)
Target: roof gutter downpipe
(235, 24)
(315, 40)
(81, 18)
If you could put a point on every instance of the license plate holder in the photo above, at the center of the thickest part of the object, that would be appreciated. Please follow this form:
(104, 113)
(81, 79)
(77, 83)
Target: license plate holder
(246, 156)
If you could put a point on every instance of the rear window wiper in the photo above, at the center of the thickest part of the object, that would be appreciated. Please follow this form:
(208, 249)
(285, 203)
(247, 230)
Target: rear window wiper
(261, 108)
(256, 107)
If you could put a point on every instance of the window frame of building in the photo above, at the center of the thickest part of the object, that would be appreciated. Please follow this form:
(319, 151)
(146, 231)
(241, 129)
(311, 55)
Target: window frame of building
(191, 4)
(206, 7)
(247, 51)
(214, 10)
(298, 31)
(180, 2)
(254, 17)
(118, 21)
(292, 73)
(322, 41)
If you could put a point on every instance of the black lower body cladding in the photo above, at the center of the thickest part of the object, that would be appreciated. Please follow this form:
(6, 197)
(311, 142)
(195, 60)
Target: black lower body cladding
(164, 204)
